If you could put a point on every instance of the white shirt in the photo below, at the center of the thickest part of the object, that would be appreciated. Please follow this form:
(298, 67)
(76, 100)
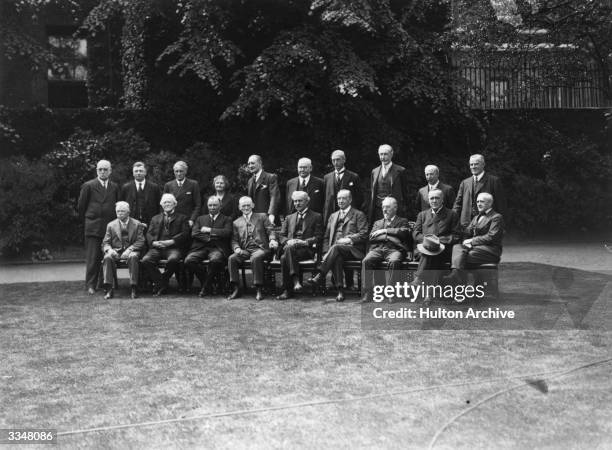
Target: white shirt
(343, 212)
(304, 180)
(433, 186)
(385, 168)
(478, 177)
(140, 184)
(103, 182)
(257, 175)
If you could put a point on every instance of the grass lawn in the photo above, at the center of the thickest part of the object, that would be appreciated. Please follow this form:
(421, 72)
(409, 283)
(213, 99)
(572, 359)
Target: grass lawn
(73, 362)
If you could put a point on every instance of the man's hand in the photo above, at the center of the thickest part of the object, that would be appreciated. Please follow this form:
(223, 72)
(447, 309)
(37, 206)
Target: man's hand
(190, 223)
(237, 250)
(112, 253)
(273, 244)
(467, 243)
(378, 233)
(271, 218)
(126, 254)
(205, 229)
(344, 241)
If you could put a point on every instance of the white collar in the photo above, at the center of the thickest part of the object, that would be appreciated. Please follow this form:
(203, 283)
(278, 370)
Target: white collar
(306, 180)
(258, 174)
(138, 182)
(479, 177)
(346, 211)
(214, 217)
(433, 186)
(303, 213)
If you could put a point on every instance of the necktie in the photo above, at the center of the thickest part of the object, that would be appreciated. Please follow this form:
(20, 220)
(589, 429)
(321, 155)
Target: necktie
(140, 187)
(180, 184)
(302, 184)
(104, 184)
(384, 171)
(300, 222)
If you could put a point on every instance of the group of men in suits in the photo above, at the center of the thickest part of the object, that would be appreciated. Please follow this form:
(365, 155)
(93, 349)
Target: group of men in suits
(323, 218)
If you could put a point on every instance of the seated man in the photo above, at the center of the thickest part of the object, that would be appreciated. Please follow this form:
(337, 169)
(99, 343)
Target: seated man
(123, 241)
(388, 243)
(253, 237)
(211, 236)
(483, 240)
(167, 236)
(438, 224)
(300, 232)
(345, 238)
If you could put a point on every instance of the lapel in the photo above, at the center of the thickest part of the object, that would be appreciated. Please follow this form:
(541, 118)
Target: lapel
(100, 189)
(261, 179)
(131, 227)
(480, 184)
(347, 219)
(179, 190)
(332, 225)
(117, 228)
(375, 177)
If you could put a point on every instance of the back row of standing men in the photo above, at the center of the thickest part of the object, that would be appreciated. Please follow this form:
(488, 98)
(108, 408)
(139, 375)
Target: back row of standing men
(98, 196)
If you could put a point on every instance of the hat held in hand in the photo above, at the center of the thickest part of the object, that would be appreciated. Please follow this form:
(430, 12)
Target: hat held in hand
(431, 245)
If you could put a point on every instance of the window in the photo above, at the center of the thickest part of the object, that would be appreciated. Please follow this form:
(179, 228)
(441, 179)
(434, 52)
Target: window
(67, 76)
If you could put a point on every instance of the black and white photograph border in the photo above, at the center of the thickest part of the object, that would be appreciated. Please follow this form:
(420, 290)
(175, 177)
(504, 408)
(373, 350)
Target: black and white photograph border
(363, 223)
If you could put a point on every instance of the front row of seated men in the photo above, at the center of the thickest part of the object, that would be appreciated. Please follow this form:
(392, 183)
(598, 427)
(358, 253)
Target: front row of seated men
(251, 236)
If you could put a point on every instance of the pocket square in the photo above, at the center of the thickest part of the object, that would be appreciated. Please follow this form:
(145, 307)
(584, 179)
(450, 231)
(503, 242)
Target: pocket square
(351, 183)
(187, 193)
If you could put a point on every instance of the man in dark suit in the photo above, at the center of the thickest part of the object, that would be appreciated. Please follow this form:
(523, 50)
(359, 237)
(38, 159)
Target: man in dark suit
(252, 238)
(465, 203)
(300, 238)
(345, 238)
(124, 240)
(389, 243)
(435, 233)
(263, 189)
(186, 192)
(312, 185)
(432, 175)
(387, 180)
(482, 240)
(96, 206)
(142, 195)
(210, 239)
(167, 236)
(340, 178)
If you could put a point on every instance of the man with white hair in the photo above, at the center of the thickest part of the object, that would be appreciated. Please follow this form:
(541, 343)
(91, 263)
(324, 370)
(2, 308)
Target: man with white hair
(482, 240)
(123, 241)
(387, 180)
(300, 236)
(96, 207)
(252, 238)
(340, 178)
(312, 185)
(167, 236)
(186, 192)
(432, 175)
(480, 181)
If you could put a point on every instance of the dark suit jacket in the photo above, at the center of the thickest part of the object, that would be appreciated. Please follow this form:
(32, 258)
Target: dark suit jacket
(399, 189)
(355, 227)
(488, 234)
(443, 225)
(463, 203)
(152, 195)
(188, 197)
(265, 193)
(350, 180)
(219, 236)
(229, 206)
(315, 190)
(112, 238)
(422, 199)
(179, 229)
(97, 206)
(312, 228)
(398, 234)
(262, 234)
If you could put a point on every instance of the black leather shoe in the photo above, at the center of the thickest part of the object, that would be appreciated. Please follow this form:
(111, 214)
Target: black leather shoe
(259, 296)
(340, 296)
(202, 293)
(134, 293)
(285, 295)
(297, 287)
(235, 294)
(109, 294)
(314, 281)
(161, 291)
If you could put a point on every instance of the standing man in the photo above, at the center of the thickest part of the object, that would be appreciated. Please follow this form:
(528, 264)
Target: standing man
(387, 180)
(263, 189)
(253, 237)
(142, 195)
(465, 203)
(432, 175)
(186, 192)
(345, 238)
(123, 241)
(434, 233)
(210, 239)
(340, 178)
(313, 186)
(167, 236)
(300, 238)
(389, 243)
(482, 240)
(96, 206)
